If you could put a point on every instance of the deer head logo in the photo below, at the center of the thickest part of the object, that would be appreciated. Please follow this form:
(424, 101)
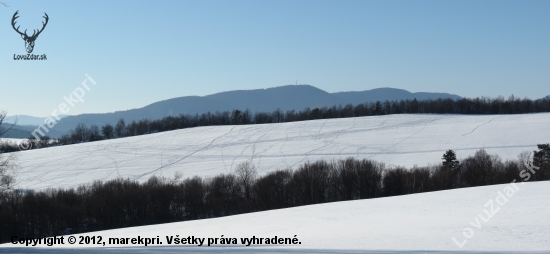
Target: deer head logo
(29, 40)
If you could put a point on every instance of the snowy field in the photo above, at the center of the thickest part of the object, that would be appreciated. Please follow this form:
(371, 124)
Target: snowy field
(418, 223)
(407, 140)
(11, 140)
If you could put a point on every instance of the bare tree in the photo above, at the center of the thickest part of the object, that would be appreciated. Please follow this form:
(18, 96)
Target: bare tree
(120, 128)
(2, 129)
(177, 178)
(525, 158)
(8, 162)
(246, 176)
(80, 133)
(8, 168)
(107, 131)
(93, 133)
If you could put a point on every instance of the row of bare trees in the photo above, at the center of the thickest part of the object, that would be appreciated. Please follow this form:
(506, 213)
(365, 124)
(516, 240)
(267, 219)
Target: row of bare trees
(483, 105)
(124, 203)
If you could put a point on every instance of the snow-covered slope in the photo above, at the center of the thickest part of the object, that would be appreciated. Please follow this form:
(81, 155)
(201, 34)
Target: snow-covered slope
(12, 140)
(410, 223)
(206, 151)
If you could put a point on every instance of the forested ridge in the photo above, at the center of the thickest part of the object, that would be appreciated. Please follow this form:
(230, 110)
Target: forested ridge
(483, 105)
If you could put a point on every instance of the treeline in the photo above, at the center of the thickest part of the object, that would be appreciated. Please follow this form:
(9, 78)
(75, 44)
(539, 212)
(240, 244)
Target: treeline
(125, 203)
(499, 105)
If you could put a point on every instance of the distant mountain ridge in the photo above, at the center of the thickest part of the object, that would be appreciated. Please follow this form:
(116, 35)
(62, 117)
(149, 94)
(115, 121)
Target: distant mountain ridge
(24, 131)
(390, 94)
(14, 132)
(27, 120)
(291, 97)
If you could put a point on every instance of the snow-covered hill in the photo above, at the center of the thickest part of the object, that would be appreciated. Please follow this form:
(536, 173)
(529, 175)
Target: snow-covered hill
(402, 224)
(206, 151)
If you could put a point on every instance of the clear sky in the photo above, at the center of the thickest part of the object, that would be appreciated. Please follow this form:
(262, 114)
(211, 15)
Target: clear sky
(140, 52)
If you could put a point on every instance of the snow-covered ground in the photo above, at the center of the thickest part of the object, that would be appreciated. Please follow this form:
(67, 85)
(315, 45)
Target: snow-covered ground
(417, 223)
(405, 140)
(11, 140)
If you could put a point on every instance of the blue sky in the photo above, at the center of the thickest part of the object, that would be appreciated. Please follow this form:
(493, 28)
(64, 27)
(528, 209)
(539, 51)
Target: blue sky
(140, 52)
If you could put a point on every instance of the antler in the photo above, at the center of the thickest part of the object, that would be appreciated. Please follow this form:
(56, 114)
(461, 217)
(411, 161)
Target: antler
(13, 24)
(43, 26)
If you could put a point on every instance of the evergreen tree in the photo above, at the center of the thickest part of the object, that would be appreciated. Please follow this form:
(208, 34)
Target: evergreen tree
(236, 117)
(377, 109)
(542, 156)
(541, 159)
(450, 161)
